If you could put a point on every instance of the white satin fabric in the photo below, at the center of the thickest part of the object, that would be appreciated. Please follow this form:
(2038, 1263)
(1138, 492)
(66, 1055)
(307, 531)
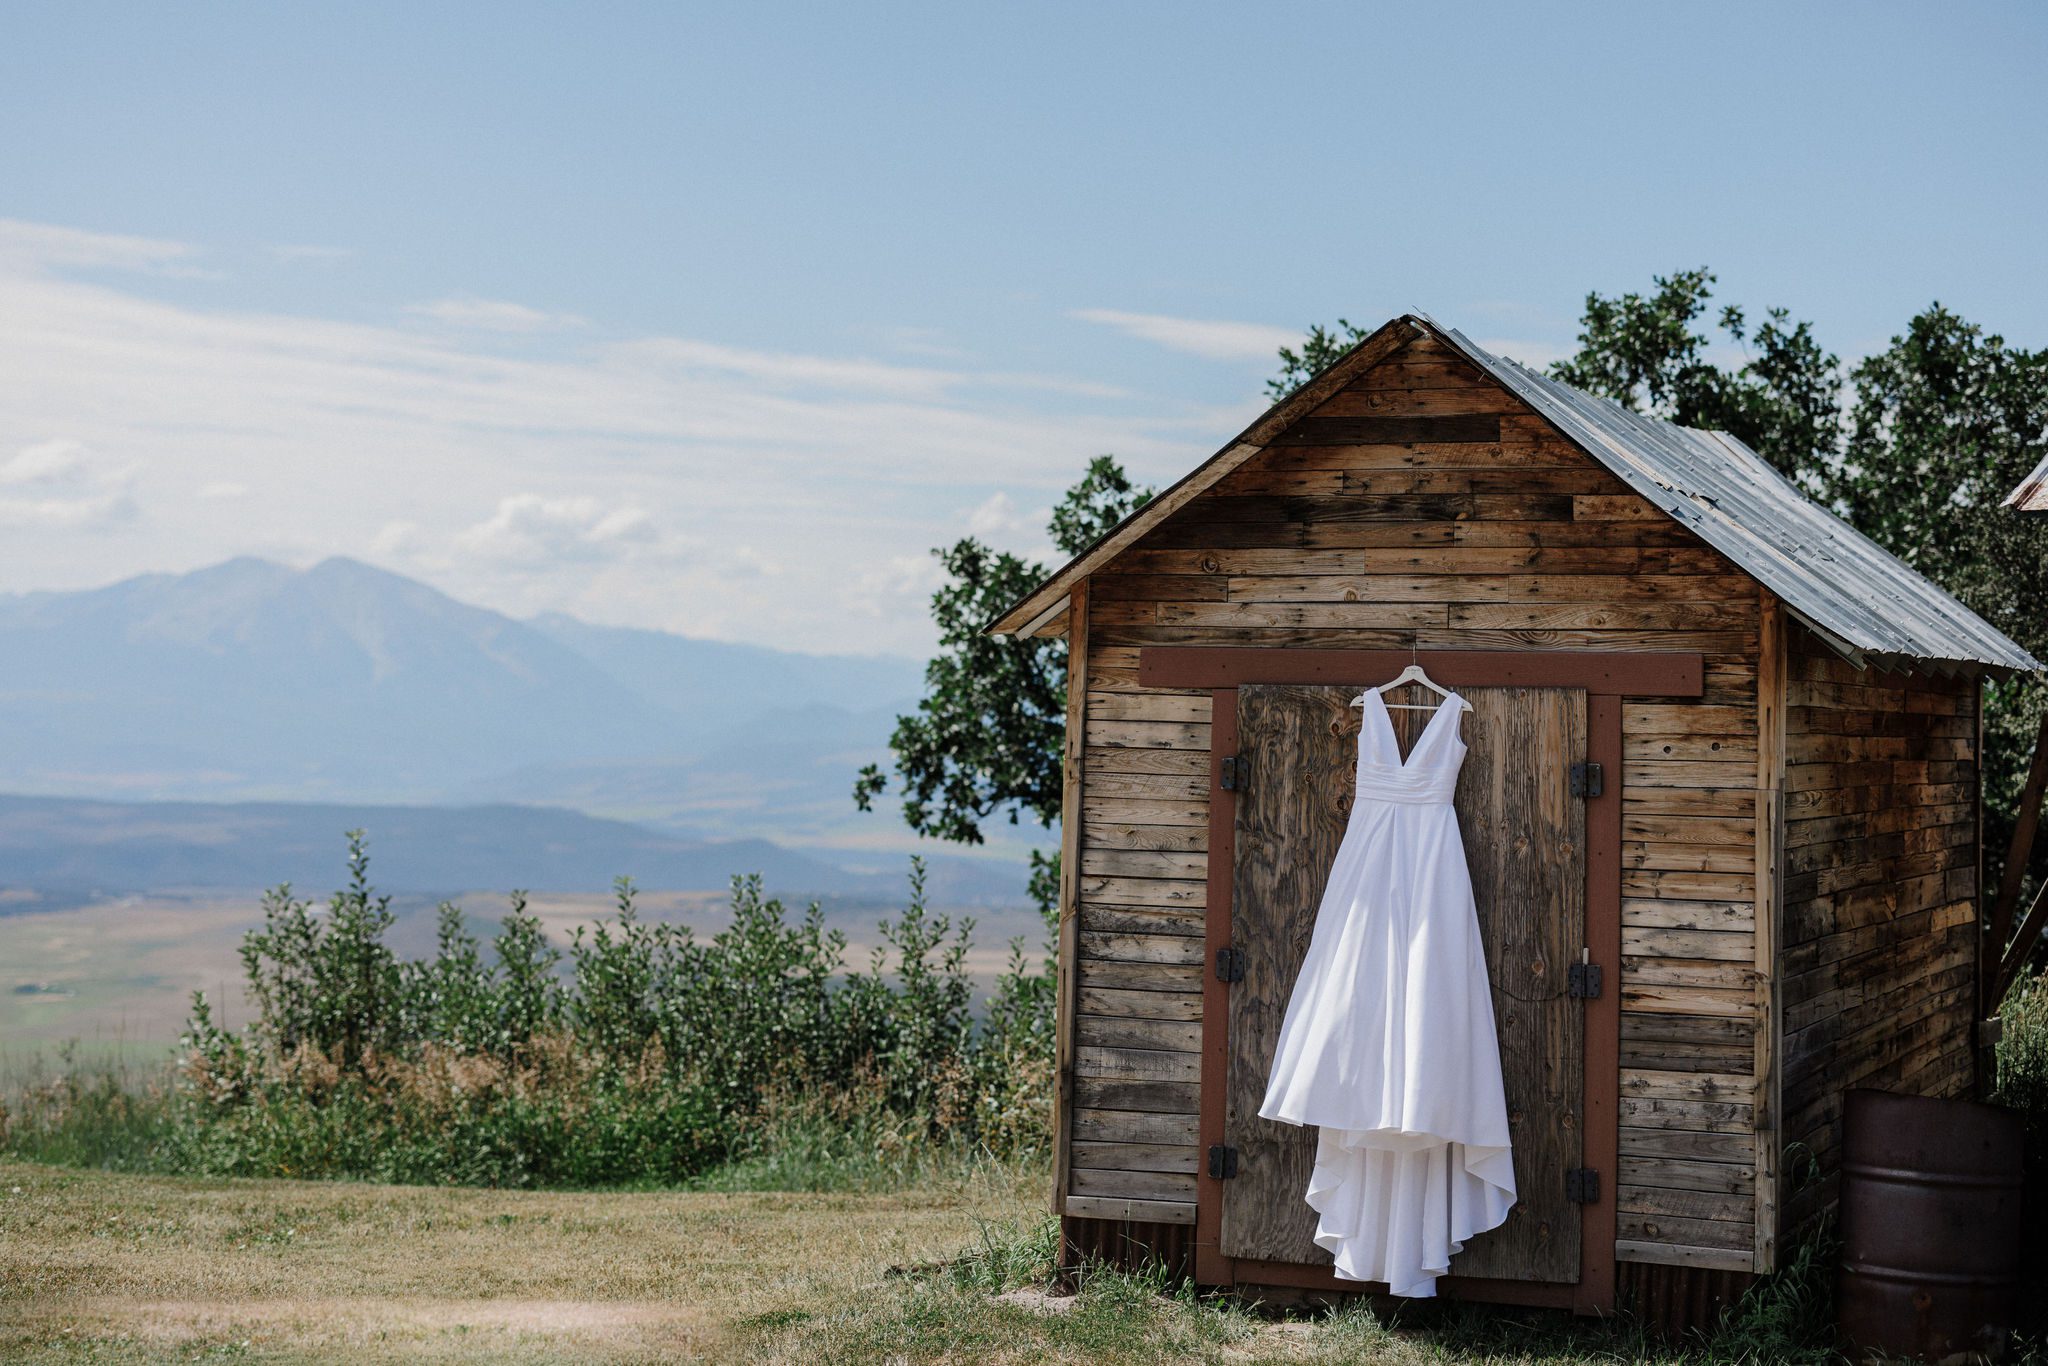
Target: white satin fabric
(1388, 1045)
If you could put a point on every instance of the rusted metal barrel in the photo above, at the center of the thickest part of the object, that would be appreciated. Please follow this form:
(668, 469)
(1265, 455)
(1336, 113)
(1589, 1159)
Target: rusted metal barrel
(1930, 1226)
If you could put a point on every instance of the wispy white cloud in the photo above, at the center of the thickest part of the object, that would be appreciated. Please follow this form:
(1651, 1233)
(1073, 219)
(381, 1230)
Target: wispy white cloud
(660, 481)
(533, 530)
(59, 485)
(999, 516)
(494, 315)
(1209, 338)
(310, 253)
(45, 247)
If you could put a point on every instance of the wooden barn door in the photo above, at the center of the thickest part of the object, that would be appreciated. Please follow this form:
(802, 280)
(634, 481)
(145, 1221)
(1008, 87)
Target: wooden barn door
(1525, 840)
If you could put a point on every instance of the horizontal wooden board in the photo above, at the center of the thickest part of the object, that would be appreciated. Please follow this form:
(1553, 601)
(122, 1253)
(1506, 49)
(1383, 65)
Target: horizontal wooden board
(1099, 918)
(1098, 831)
(1131, 1185)
(1718, 916)
(1173, 1159)
(1122, 976)
(1336, 431)
(1122, 1031)
(1645, 1228)
(1716, 1117)
(1168, 949)
(1519, 588)
(1653, 942)
(1152, 863)
(1130, 1211)
(1137, 1064)
(1147, 706)
(1688, 1145)
(1172, 763)
(1149, 1005)
(1671, 1254)
(1663, 1202)
(1151, 1097)
(1133, 1126)
(1668, 1173)
(1143, 891)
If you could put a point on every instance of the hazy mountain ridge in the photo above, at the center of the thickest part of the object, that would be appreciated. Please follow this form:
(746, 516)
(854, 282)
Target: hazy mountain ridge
(252, 702)
(112, 847)
(254, 680)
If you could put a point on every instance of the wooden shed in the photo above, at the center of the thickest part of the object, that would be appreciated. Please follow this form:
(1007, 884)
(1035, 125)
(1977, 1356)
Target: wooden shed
(1721, 808)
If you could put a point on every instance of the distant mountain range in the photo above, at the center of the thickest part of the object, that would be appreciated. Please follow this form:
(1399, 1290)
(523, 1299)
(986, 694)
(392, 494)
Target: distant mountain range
(253, 679)
(344, 685)
(88, 848)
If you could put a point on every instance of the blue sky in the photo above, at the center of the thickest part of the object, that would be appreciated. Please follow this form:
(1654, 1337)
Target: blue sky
(715, 318)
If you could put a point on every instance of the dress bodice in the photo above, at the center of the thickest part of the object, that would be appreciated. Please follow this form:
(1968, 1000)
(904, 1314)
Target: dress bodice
(1429, 775)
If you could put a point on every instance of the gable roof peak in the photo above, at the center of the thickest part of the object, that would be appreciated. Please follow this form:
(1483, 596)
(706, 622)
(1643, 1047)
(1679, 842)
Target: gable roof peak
(1853, 593)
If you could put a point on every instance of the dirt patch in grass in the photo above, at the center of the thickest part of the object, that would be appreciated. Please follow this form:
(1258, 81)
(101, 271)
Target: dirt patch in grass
(96, 1266)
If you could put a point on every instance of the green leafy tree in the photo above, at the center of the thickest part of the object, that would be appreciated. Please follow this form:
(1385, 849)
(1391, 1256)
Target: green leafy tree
(1648, 353)
(1946, 420)
(1319, 350)
(985, 739)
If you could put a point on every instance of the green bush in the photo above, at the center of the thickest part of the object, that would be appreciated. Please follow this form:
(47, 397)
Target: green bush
(643, 1055)
(2023, 1050)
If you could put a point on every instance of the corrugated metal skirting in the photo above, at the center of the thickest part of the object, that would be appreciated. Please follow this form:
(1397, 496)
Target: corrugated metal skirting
(1675, 1300)
(1126, 1246)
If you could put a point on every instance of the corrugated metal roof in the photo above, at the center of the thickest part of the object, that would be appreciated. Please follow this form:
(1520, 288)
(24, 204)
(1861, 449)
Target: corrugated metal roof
(1856, 594)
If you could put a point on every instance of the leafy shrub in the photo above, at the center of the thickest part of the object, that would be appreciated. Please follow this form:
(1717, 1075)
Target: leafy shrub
(643, 1055)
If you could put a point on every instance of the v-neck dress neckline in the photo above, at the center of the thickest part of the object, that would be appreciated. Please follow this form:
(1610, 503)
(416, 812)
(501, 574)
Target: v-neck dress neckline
(1452, 703)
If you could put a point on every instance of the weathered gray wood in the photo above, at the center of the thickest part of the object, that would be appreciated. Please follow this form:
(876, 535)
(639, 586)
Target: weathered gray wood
(1131, 1211)
(1136, 1185)
(1118, 976)
(1525, 842)
(1172, 1158)
(1143, 1005)
(1303, 746)
(1123, 1031)
(1153, 1097)
(1137, 1064)
(1139, 1126)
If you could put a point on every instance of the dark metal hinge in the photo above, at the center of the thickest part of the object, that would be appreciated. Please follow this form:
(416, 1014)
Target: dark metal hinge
(1222, 1161)
(1237, 773)
(1588, 780)
(1581, 1186)
(1230, 965)
(1583, 982)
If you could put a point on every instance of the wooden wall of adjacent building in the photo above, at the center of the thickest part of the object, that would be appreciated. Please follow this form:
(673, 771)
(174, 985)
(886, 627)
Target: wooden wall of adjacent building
(1879, 943)
(1434, 530)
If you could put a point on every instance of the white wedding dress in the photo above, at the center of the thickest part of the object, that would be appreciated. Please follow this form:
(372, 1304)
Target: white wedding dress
(1388, 1044)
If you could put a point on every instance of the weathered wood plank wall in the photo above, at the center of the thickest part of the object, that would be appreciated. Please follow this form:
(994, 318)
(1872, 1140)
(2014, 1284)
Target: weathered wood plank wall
(1423, 505)
(1879, 945)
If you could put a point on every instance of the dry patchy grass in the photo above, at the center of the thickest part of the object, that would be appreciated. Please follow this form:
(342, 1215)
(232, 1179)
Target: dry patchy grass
(96, 1266)
(112, 1267)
